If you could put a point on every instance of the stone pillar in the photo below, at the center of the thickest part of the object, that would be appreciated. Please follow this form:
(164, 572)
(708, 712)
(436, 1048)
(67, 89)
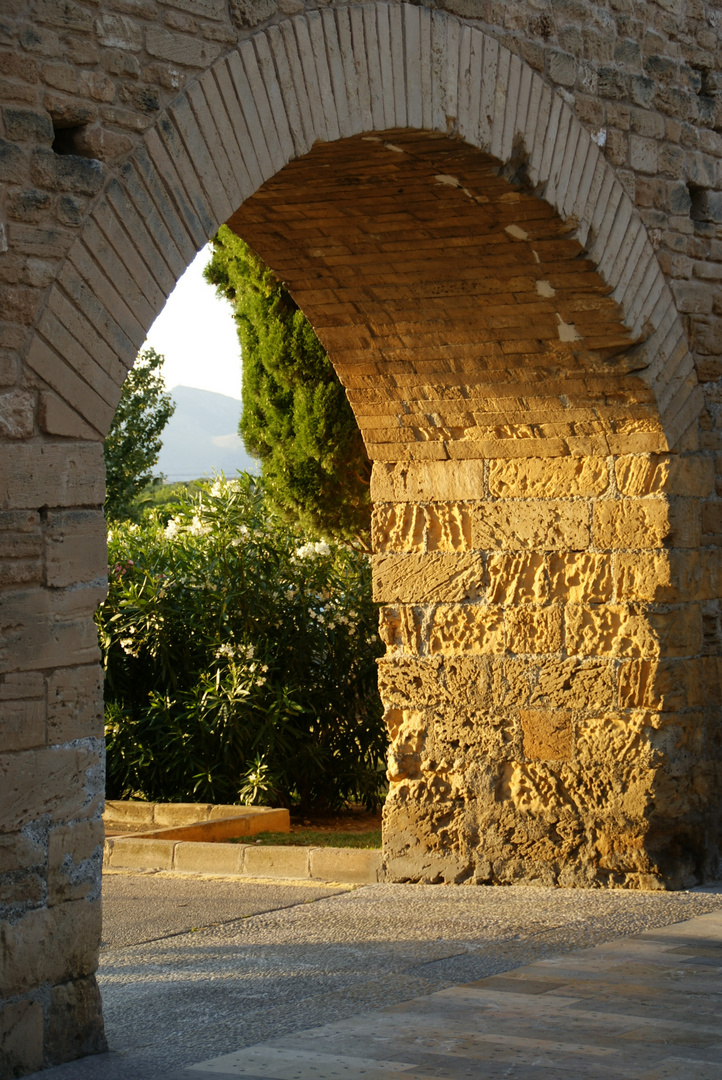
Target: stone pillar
(53, 567)
(552, 678)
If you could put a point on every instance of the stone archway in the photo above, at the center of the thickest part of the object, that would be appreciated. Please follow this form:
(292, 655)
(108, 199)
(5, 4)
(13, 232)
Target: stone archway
(538, 480)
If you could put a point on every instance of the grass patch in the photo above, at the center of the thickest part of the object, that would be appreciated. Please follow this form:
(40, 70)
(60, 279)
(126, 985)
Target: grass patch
(316, 838)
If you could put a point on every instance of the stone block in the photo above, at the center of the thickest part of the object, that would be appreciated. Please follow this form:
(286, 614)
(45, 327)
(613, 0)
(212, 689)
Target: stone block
(74, 860)
(19, 851)
(49, 945)
(545, 525)
(52, 474)
(43, 628)
(628, 630)
(410, 527)
(516, 578)
(143, 854)
(357, 866)
(22, 724)
(75, 1021)
(545, 478)
(631, 523)
(63, 782)
(275, 862)
(580, 577)
(466, 628)
(180, 48)
(21, 1038)
(576, 684)
(423, 578)
(448, 481)
(75, 547)
(548, 734)
(652, 474)
(207, 858)
(75, 703)
(532, 629)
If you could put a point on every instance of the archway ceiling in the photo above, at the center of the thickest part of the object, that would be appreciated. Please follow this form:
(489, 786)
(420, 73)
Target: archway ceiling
(460, 315)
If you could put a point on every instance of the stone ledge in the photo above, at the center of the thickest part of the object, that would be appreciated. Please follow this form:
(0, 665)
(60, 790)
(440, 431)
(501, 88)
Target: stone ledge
(356, 866)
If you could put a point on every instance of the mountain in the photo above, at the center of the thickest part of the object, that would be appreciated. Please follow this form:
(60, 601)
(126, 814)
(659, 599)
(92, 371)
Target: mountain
(202, 437)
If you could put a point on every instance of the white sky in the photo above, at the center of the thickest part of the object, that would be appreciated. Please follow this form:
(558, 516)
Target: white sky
(196, 334)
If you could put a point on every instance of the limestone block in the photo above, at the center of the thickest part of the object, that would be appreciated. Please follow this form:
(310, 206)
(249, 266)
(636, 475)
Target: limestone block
(21, 852)
(575, 684)
(22, 724)
(477, 736)
(275, 862)
(75, 547)
(548, 734)
(548, 478)
(52, 474)
(49, 945)
(409, 578)
(74, 858)
(75, 1022)
(668, 576)
(405, 680)
(21, 1038)
(667, 684)
(208, 858)
(517, 578)
(545, 525)
(410, 527)
(406, 730)
(144, 854)
(444, 481)
(399, 628)
(651, 474)
(63, 782)
(632, 630)
(75, 703)
(533, 629)
(345, 864)
(631, 523)
(579, 578)
(43, 628)
(466, 628)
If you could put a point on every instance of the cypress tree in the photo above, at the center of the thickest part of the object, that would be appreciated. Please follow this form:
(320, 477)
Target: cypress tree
(296, 417)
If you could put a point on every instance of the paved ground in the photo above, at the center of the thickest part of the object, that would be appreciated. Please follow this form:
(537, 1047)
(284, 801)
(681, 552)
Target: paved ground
(181, 989)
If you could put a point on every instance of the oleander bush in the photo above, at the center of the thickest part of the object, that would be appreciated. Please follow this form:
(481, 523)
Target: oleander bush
(240, 659)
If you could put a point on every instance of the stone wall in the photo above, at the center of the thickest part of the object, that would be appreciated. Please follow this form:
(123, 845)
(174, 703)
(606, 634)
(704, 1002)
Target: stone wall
(522, 305)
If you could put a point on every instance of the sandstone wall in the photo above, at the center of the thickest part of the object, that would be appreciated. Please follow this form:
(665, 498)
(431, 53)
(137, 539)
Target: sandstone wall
(552, 599)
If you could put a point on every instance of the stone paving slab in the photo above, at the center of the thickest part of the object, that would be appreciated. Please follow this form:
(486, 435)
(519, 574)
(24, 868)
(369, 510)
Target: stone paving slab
(240, 979)
(541, 1020)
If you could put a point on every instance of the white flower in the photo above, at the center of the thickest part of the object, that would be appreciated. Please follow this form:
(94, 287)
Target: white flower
(250, 652)
(172, 528)
(264, 667)
(111, 534)
(243, 530)
(224, 650)
(351, 631)
(290, 593)
(322, 548)
(217, 489)
(353, 614)
(260, 682)
(197, 528)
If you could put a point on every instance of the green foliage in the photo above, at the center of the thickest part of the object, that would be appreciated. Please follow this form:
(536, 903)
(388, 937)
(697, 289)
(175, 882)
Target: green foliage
(316, 838)
(134, 442)
(240, 659)
(296, 417)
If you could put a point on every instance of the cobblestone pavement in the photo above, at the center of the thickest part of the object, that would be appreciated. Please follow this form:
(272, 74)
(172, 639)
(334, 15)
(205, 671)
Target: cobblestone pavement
(369, 984)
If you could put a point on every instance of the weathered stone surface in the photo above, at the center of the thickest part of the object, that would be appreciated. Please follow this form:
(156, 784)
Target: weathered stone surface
(450, 481)
(74, 856)
(422, 578)
(75, 1023)
(50, 945)
(410, 527)
(472, 628)
(57, 781)
(75, 703)
(548, 478)
(631, 523)
(545, 525)
(21, 1038)
(548, 734)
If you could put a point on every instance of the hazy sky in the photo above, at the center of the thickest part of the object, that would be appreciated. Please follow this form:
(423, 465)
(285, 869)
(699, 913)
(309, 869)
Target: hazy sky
(196, 334)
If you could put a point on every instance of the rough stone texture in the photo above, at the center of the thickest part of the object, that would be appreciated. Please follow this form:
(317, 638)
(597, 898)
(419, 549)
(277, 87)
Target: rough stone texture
(504, 223)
